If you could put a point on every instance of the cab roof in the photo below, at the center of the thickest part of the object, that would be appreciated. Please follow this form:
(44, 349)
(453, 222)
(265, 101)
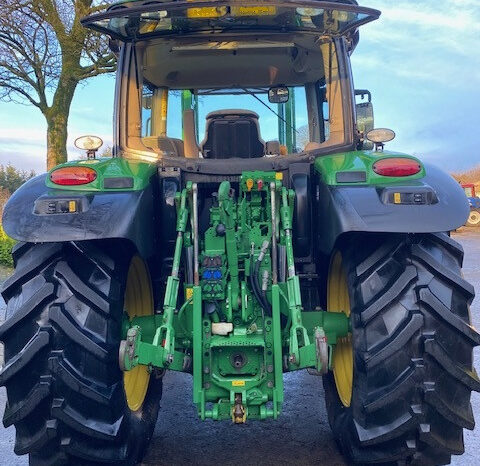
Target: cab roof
(136, 20)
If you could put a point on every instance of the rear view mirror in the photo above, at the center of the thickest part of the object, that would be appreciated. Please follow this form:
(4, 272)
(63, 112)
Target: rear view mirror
(365, 119)
(147, 101)
(278, 95)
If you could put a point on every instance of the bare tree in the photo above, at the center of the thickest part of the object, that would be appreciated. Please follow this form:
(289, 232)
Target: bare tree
(44, 53)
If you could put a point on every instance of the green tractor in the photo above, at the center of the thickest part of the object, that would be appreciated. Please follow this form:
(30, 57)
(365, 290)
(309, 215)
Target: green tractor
(250, 223)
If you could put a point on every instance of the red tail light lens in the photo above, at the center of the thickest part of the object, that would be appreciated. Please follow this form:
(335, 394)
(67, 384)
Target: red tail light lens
(73, 176)
(396, 167)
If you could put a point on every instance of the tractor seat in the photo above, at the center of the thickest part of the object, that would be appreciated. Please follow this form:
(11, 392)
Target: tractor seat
(232, 133)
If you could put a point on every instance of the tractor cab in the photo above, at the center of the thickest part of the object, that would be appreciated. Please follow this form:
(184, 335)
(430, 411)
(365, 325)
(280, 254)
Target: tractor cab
(470, 190)
(227, 79)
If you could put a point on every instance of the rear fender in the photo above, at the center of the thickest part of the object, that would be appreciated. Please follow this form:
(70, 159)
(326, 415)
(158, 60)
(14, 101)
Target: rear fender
(366, 208)
(36, 213)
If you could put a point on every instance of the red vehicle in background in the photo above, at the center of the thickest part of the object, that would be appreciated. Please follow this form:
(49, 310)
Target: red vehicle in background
(474, 200)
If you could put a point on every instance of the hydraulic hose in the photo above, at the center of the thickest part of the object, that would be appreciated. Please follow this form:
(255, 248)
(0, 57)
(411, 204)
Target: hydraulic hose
(263, 296)
(255, 279)
(265, 278)
(254, 284)
(180, 314)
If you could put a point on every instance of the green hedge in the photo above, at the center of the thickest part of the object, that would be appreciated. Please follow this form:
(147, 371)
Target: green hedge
(6, 245)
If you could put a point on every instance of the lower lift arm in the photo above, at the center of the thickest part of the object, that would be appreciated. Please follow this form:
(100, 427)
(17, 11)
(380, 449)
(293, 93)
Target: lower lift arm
(165, 334)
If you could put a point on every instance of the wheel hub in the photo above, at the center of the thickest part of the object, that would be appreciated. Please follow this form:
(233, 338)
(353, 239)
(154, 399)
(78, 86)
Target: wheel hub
(138, 303)
(338, 300)
(474, 218)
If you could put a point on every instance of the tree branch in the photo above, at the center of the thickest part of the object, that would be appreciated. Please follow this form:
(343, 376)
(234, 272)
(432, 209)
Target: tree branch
(21, 92)
(45, 52)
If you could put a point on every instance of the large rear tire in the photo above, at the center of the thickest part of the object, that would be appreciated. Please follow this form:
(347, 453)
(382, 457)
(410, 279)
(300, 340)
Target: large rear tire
(411, 364)
(66, 394)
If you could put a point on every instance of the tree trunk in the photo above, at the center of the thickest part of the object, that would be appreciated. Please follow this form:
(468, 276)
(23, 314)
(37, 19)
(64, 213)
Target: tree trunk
(56, 140)
(57, 122)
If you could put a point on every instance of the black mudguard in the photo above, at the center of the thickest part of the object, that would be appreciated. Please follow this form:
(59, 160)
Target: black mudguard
(101, 215)
(344, 209)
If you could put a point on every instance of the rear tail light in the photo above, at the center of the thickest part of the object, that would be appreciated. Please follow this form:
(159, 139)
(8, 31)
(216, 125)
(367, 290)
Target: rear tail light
(396, 167)
(73, 176)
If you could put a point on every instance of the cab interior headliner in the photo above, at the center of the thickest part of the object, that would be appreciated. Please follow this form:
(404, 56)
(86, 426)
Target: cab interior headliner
(241, 61)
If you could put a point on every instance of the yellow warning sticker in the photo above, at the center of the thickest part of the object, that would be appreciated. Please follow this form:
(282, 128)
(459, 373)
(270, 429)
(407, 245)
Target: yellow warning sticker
(279, 176)
(206, 12)
(188, 293)
(238, 383)
(253, 10)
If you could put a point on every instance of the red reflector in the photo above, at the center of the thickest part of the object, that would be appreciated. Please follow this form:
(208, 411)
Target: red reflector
(73, 176)
(396, 167)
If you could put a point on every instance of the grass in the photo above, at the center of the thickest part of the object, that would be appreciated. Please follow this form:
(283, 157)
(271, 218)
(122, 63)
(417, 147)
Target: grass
(6, 245)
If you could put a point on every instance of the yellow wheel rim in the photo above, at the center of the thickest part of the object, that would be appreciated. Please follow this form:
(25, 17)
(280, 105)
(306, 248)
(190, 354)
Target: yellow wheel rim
(138, 302)
(338, 300)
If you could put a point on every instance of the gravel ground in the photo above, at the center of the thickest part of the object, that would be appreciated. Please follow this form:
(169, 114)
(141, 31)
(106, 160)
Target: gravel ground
(301, 436)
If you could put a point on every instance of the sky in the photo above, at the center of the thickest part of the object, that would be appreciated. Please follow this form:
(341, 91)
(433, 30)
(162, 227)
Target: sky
(421, 61)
